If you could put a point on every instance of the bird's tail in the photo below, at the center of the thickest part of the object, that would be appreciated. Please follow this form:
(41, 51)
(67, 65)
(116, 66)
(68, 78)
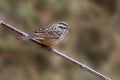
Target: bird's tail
(24, 37)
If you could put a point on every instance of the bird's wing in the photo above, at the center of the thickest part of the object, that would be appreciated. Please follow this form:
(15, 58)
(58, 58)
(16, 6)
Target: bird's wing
(44, 32)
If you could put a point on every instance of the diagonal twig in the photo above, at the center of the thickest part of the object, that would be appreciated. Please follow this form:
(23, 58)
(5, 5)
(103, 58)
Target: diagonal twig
(69, 59)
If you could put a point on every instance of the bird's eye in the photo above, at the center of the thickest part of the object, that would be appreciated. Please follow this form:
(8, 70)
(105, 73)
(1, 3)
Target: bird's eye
(61, 27)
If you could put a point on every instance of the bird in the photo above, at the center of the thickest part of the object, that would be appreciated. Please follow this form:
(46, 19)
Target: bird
(49, 35)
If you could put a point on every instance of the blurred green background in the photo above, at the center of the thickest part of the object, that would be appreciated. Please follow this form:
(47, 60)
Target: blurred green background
(94, 39)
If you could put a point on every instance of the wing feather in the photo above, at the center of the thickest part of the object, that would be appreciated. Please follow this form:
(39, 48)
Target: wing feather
(45, 32)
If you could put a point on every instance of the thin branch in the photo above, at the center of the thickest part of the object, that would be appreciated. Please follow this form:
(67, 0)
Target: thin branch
(69, 59)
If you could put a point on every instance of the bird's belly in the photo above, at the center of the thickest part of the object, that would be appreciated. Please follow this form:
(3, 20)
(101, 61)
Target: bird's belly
(51, 42)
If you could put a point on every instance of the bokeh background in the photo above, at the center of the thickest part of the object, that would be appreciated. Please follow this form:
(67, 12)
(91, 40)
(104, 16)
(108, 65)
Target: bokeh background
(94, 39)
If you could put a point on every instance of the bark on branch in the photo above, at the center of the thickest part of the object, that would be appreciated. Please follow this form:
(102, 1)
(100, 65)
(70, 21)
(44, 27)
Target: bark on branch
(69, 59)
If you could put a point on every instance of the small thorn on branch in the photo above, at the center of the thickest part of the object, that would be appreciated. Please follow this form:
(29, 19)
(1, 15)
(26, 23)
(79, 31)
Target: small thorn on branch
(0, 22)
